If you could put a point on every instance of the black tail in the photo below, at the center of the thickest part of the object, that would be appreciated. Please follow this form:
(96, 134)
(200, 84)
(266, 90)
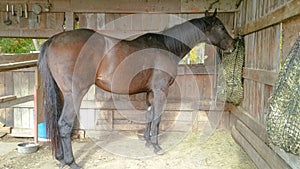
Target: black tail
(52, 100)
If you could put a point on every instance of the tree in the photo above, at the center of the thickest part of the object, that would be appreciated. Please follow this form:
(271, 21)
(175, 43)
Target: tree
(16, 45)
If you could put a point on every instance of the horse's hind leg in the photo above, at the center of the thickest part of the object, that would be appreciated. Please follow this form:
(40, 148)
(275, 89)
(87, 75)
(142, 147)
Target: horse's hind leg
(71, 107)
(149, 118)
(158, 105)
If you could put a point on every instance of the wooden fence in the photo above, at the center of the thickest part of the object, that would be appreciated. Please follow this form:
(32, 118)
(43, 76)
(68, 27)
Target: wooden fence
(269, 27)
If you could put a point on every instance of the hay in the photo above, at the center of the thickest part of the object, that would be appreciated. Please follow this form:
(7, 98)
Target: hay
(230, 87)
(283, 117)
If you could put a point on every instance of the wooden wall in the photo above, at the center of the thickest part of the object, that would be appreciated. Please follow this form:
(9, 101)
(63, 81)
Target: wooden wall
(270, 28)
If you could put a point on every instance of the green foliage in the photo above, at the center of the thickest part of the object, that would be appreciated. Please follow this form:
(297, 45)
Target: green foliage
(16, 45)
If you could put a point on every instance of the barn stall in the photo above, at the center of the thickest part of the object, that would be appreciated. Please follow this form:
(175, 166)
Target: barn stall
(269, 29)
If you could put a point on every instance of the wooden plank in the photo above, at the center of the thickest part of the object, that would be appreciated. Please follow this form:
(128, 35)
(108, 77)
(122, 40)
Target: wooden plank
(200, 5)
(259, 75)
(291, 159)
(7, 98)
(290, 32)
(116, 6)
(29, 33)
(87, 119)
(129, 6)
(252, 153)
(18, 58)
(140, 105)
(16, 101)
(246, 118)
(283, 13)
(26, 114)
(18, 118)
(17, 65)
(22, 132)
(265, 151)
(5, 130)
(69, 21)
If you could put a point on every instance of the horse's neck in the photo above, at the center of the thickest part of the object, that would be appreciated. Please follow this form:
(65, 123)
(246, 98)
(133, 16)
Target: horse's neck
(180, 39)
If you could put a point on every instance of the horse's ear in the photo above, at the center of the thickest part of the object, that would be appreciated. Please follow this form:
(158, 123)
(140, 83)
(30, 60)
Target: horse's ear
(206, 13)
(215, 13)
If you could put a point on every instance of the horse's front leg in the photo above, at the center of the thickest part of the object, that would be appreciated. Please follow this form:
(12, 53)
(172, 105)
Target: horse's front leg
(159, 101)
(149, 118)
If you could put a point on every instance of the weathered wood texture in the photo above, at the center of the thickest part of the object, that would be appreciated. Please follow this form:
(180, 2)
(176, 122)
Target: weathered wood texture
(269, 27)
(103, 15)
(250, 134)
(263, 53)
(268, 14)
(39, 26)
(129, 6)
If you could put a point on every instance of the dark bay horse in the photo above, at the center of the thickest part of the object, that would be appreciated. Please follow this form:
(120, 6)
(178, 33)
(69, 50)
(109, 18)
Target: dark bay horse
(72, 61)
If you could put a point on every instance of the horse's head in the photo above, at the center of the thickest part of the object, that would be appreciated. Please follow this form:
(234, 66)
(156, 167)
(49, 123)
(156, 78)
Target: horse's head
(216, 33)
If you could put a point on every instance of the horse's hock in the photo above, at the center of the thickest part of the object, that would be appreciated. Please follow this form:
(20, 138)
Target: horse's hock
(260, 82)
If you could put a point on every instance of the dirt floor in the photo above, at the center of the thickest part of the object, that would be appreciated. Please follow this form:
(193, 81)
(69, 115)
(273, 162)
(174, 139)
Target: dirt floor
(218, 151)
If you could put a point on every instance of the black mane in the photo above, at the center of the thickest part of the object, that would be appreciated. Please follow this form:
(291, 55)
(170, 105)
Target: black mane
(180, 39)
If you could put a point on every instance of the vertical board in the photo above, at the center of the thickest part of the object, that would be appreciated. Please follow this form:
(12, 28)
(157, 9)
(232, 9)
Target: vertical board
(291, 30)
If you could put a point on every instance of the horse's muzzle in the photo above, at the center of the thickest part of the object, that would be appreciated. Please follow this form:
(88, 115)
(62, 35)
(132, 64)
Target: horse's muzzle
(228, 45)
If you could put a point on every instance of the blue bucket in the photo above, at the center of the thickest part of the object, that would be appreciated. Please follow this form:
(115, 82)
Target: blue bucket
(42, 130)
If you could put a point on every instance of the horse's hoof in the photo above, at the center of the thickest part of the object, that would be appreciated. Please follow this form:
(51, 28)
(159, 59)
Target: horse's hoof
(74, 166)
(158, 150)
(62, 164)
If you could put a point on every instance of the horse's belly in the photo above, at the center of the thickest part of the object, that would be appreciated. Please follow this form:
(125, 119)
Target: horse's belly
(124, 83)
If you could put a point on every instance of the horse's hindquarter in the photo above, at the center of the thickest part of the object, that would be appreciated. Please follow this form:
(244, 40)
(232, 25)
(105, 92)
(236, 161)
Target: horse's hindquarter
(128, 68)
(73, 58)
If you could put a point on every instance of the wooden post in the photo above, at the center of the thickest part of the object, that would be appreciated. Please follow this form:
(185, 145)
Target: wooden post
(69, 21)
(35, 128)
(38, 112)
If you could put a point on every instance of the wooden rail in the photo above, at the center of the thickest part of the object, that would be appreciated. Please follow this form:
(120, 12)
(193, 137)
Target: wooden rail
(17, 61)
(17, 65)
(262, 76)
(251, 135)
(279, 15)
(16, 101)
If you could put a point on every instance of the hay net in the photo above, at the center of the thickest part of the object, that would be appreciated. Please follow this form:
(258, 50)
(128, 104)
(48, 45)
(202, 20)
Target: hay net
(230, 85)
(283, 117)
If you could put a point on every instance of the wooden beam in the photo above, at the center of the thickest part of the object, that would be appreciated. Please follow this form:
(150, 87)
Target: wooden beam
(126, 6)
(7, 98)
(16, 101)
(200, 5)
(246, 118)
(22, 132)
(5, 130)
(262, 76)
(18, 58)
(29, 33)
(130, 6)
(256, 158)
(279, 15)
(291, 159)
(17, 65)
(266, 152)
(69, 21)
